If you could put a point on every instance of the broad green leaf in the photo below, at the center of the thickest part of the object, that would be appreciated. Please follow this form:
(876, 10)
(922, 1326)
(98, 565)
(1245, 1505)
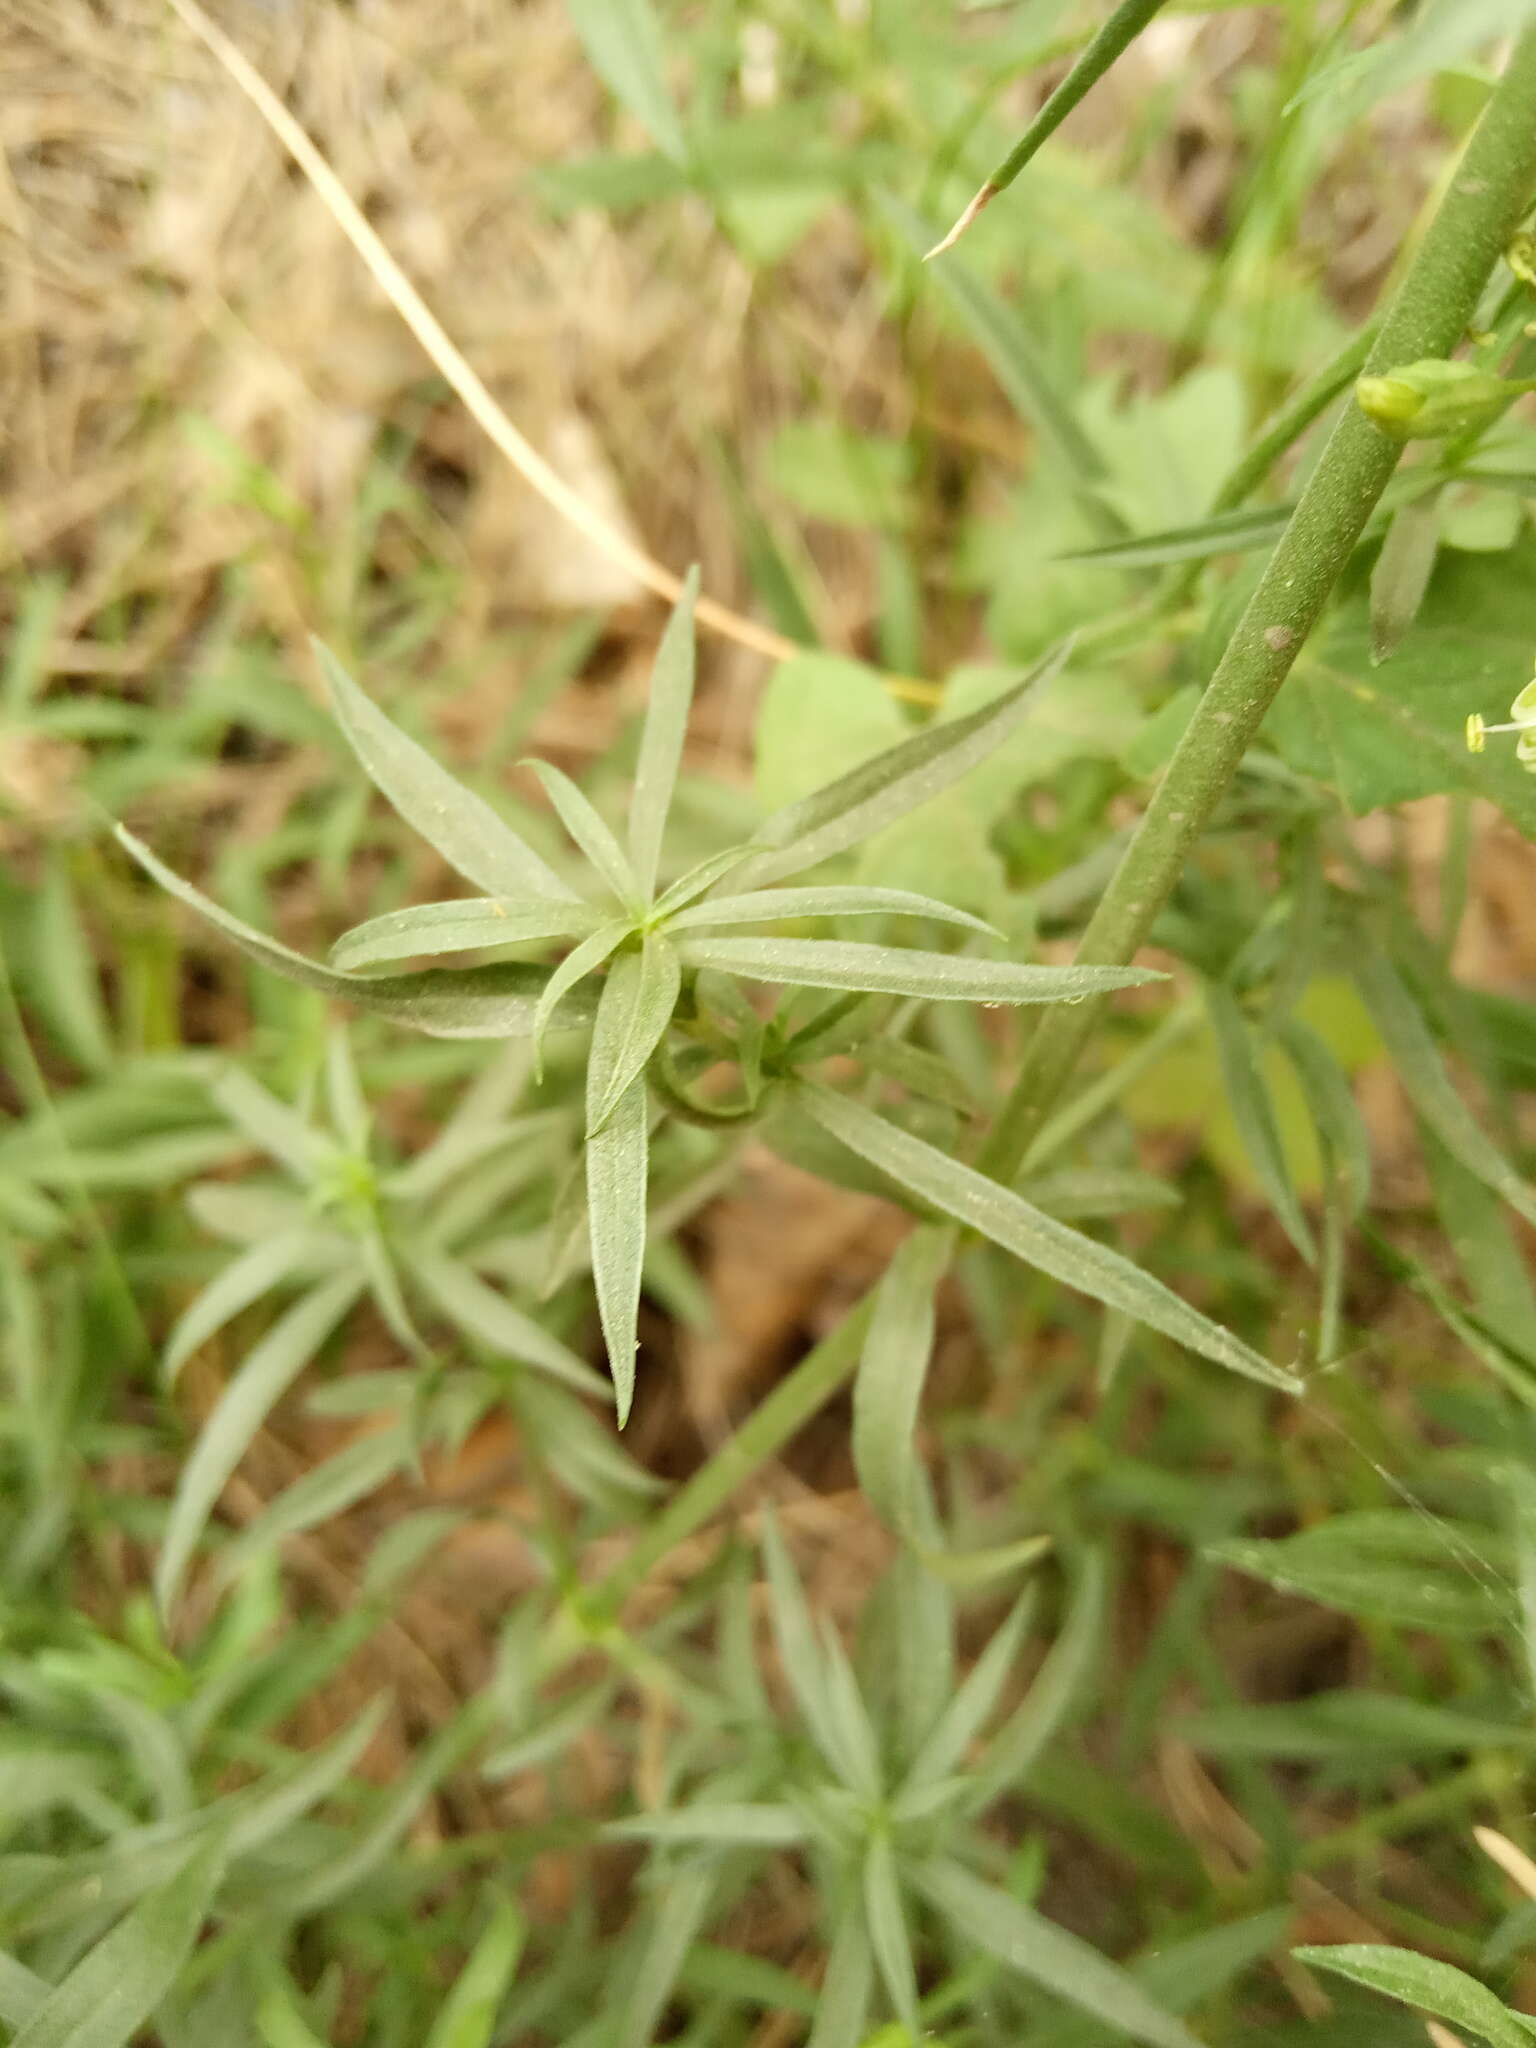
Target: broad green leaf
(1254, 1115)
(879, 791)
(903, 971)
(242, 1408)
(616, 1161)
(459, 927)
(889, 1936)
(820, 717)
(738, 1825)
(1000, 1925)
(661, 742)
(576, 965)
(1053, 1693)
(468, 2015)
(1402, 572)
(1052, 1247)
(673, 1923)
(843, 476)
(843, 2007)
(1422, 1072)
(482, 1002)
(1387, 736)
(972, 1704)
(486, 1315)
(623, 40)
(590, 832)
(470, 836)
(326, 1490)
(268, 1264)
(888, 1386)
(765, 906)
(1428, 1985)
(1390, 1564)
(114, 1988)
(633, 1013)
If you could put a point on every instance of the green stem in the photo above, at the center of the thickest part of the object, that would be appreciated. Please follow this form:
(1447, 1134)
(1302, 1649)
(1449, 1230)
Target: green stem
(1437, 299)
(1293, 420)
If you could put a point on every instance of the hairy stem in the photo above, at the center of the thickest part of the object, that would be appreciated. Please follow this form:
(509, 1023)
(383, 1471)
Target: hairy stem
(1481, 209)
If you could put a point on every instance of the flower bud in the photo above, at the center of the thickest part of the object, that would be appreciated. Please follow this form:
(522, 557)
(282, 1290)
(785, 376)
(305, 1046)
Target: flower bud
(1427, 400)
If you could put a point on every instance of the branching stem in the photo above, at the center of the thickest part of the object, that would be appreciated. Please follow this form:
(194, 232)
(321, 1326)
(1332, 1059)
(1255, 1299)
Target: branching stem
(1436, 301)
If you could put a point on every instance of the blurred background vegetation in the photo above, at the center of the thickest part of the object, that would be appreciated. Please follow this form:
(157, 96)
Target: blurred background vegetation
(694, 284)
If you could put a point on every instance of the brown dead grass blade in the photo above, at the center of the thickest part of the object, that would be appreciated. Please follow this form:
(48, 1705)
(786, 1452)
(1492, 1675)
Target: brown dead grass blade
(450, 361)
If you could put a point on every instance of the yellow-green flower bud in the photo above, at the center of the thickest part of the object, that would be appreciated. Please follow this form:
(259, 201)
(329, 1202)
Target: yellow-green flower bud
(1424, 401)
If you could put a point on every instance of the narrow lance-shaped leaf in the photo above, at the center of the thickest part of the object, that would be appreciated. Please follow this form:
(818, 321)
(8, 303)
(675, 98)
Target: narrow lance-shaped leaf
(470, 836)
(1255, 1117)
(22, 1992)
(843, 2007)
(879, 791)
(576, 965)
(345, 1101)
(278, 1129)
(661, 742)
(1021, 366)
(801, 1655)
(888, 1933)
(904, 971)
(674, 1922)
(1422, 1072)
(319, 1495)
(459, 927)
(468, 2015)
(1334, 1110)
(482, 1002)
(242, 1408)
(1055, 1690)
(633, 1013)
(1402, 572)
(971, 1705)
(489, 1318)
(1052, 1247)
(1000, 1925)
(616, 1162)
(738, 1824)
(114, 1988)
(767, 906)
(623, 40)
(1431, 1986)
(888, 1387)
(590, 831)
(1111, 42)
(266, 1265)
